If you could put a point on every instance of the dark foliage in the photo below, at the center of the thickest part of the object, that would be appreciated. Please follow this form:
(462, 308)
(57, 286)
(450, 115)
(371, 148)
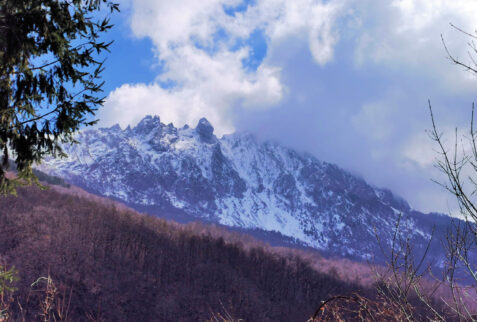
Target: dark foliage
(42, 177)
(49, 76)
(122, 266)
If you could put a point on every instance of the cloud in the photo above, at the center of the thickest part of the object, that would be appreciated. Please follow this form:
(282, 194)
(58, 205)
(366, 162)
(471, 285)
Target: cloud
(406, 34)
(213, 98)
(419, 152)
(347, 80)
(377, 119)
(203, 50)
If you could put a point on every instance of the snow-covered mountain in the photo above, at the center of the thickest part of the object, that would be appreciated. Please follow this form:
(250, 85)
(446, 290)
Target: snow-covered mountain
(238, 181)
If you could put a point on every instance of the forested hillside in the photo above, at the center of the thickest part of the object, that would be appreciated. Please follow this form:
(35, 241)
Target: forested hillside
(117, 265)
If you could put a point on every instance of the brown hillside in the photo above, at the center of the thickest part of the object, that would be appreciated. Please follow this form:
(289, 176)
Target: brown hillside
(119, 265)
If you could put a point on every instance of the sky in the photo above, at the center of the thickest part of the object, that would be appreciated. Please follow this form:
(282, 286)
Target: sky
(345, 80)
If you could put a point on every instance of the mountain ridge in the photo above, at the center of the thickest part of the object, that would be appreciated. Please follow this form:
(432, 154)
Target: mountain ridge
(238, 181)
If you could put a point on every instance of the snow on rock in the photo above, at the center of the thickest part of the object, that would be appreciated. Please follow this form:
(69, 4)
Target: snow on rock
(236, 181)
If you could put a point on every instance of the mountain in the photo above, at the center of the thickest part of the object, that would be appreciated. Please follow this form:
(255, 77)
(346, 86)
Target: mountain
(238, 181)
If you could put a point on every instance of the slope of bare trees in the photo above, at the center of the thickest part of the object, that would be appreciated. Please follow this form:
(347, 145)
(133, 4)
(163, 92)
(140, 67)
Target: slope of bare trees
(117, 265)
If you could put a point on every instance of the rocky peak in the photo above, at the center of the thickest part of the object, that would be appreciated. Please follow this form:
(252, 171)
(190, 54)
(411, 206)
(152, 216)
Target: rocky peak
(205, 131)
(115, 127)
(147, 124)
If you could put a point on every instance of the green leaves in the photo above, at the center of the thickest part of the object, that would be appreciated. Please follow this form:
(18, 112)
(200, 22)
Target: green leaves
(8, 278)
(50, 76)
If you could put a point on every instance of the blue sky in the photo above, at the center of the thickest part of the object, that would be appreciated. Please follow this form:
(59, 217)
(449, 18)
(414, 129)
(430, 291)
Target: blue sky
(345, 80)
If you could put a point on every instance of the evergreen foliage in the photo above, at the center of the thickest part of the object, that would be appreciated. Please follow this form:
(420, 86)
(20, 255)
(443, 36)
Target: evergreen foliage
(50, 77)
(8, 277)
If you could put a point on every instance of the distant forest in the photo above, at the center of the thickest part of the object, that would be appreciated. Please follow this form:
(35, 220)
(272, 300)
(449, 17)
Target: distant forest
(117, 265)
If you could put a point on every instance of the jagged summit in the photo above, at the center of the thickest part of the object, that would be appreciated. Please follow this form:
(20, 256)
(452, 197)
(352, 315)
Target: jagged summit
(236, 181)
(147, 124)
(205, 130)
(115, 127)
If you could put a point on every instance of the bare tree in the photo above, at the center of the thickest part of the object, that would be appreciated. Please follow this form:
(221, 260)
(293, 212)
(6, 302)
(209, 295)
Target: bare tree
(406, 289)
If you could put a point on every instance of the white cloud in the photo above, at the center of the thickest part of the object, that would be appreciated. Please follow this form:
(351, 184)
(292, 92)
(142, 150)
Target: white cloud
(311, 20)
(405, 35)
(207, 71)
(419, 151)
(377, 119)
(195, 42)
(185, 105)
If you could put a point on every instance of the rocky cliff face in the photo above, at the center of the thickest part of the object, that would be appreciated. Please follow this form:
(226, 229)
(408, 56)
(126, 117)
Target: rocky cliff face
(238, 181)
